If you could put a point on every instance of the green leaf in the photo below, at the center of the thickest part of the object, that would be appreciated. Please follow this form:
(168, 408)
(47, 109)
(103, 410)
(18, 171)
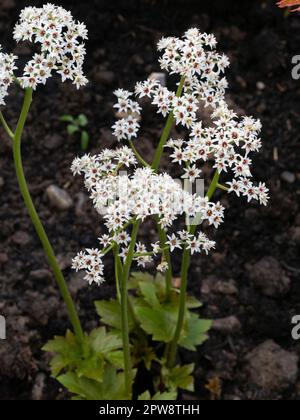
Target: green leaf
(165, 396)
(62, 344)
(103, 342)
(82, 120)
(85, 388)
(72, 129)
(159, 322)
(148, 290)
(116, 358)
(110, 313)
(193, 303)
(92, 368)
(145, 396)
(137, 277)
(67, 353)
(67, 118)
(58, 363)
(181, 377)
(85, 139)
(160, 279)
(112, 387)
(194, 332)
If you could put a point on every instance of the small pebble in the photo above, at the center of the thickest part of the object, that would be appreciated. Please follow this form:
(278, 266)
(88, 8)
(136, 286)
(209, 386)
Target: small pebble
(59, 198)
(21, 238)
(161, 77)
(229, 325)
(41, 274)
(260, 85)
(288, 177)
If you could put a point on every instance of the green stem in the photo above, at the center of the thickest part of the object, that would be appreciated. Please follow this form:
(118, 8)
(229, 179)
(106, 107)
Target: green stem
(155, 165)
(186, 260)
(166, 253)
(213, 186)
(36, 220)
(138, 156)
(182, 306)
(117, 272)
(166, 132)
(6, 127)
(124, 310)
(222, 187)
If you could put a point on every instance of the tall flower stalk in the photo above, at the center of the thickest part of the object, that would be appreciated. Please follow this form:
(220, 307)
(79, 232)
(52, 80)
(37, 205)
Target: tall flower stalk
(61, 50)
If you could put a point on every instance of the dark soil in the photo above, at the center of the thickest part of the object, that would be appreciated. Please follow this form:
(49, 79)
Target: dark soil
(121, 50)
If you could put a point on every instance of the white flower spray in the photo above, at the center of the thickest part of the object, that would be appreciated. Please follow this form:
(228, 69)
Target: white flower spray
(228, 145)
(62, 51)
(145, 192)
(61, 40)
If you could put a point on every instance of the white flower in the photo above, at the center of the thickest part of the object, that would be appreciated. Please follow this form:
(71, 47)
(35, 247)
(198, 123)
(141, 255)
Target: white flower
(61, 40)
(193, 245)
(105, 240)
(126, 128)
(7, 68)
(146, 88)
(156, 248)
(192, 173)
(173, 242)
(163, 267)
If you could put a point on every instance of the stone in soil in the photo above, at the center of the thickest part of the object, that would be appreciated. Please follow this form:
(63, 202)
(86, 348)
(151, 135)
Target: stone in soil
(269, 277)
(3, 258)
(17, 361)
(228, 325)
(59, 198)
(81, 200)
(21, 238)
(53, 142)
(271, 368)
(107, 138)
(39, 308)
(41, 274)
(104, 77)
(295, 234)
(38, 389)
(161, 77)
(288, 177)
(212, 284)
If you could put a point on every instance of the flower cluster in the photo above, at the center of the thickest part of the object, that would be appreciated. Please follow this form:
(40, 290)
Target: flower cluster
(91, 262)
(7, 67)
(62, 49)
(227, 144)
(126, 128)
(122, 198)
(201, 69)
(105, 164)
(194, 58)
(194, 243)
